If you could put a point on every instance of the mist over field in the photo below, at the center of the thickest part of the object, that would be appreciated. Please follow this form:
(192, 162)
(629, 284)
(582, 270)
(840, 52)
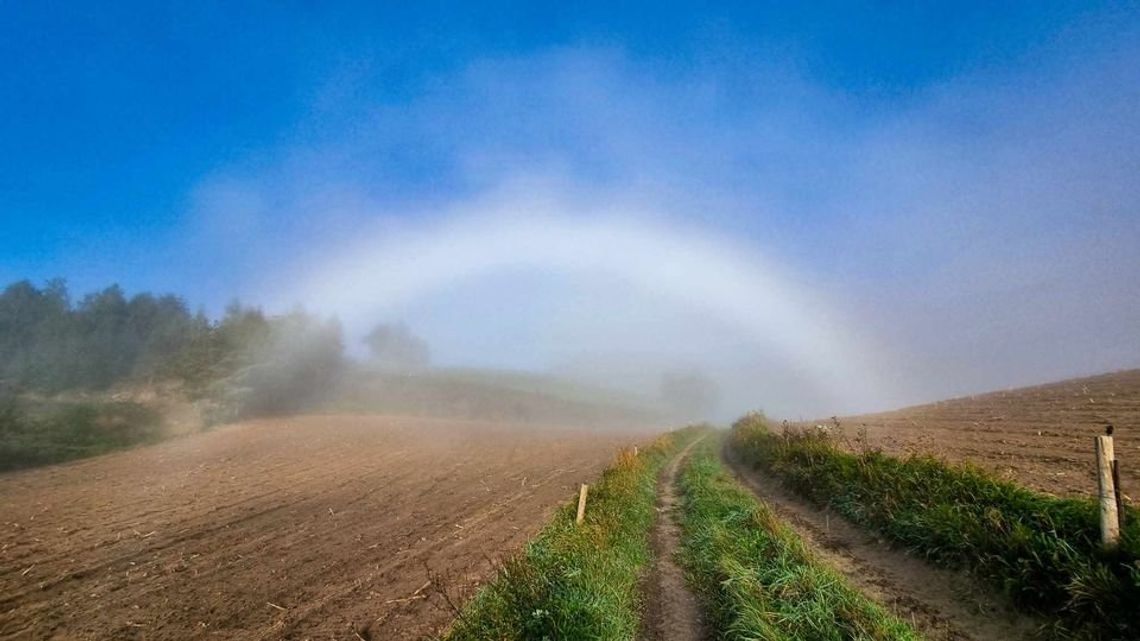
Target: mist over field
(585, 210)
(590, 320)
(618, 226)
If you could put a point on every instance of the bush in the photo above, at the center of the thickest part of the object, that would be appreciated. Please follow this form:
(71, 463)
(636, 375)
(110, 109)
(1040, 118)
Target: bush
(1042, 551)
(295, 362)
(62, 431)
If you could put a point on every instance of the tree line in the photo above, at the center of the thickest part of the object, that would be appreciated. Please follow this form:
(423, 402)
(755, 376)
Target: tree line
(250, 362)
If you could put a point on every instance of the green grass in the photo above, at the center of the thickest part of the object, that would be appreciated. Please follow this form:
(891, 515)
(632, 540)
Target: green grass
(46, 432)
(578, 582)
(758, 580)
(1042, 551)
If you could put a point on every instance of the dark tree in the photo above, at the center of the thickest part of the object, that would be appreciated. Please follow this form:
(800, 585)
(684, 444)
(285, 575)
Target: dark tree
(49, 345)
(299, 363)
(395, 346)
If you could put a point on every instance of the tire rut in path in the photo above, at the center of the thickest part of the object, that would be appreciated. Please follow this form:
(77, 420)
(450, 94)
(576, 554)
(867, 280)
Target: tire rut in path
(941, 604)
(673, 612)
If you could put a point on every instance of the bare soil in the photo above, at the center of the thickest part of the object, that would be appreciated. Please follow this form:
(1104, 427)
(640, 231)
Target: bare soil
(673, 612)
(941, 604)
(322, 527)
(1039, 436)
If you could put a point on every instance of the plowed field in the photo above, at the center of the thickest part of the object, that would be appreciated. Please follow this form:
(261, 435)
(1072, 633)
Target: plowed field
(313, 527)
(1040, 436)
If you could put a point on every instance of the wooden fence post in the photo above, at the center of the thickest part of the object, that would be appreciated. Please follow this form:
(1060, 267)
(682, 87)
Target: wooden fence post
(1116, 488)
(1109, 516)
(582, 504)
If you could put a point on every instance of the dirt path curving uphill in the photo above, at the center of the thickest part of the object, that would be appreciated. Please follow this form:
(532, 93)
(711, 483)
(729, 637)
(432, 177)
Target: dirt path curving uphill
(941, 604)
(673, 612)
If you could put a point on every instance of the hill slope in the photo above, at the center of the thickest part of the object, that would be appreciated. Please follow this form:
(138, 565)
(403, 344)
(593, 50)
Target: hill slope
(487, 395)
(1040, 436)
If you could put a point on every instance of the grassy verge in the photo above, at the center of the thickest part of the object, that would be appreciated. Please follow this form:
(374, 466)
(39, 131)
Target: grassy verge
(55, 431)
(1043, 551)
(578, 582)
(756, 577)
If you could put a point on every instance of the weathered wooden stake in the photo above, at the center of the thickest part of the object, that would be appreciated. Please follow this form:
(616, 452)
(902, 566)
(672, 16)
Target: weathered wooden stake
(582, 504)
(1120, 513)
(1109, 516)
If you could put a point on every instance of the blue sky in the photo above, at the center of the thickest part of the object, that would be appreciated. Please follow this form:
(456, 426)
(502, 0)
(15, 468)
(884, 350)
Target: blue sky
(113, 113)
(949, 174)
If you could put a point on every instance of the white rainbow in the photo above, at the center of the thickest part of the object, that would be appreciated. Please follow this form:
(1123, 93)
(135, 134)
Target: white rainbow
(681, 265)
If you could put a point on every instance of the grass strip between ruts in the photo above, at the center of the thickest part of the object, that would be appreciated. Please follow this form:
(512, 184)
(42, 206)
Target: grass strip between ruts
(756, 577)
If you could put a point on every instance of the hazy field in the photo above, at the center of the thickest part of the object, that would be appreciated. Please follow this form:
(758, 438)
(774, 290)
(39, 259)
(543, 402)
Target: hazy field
(291, 528)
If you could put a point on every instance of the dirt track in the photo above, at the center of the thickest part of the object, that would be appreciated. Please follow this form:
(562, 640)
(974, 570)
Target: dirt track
(314, 527)
(1040, 436)
(943, 605)
(673, 612)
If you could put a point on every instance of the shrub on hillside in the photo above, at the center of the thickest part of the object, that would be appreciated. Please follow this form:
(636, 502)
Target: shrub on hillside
(60, 431)
(297, 362)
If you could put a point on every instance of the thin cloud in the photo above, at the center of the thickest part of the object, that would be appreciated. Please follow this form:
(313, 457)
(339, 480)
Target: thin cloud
(976, 233)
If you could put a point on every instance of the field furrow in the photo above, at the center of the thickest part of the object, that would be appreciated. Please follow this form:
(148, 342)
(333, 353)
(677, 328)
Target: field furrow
(277, 529)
